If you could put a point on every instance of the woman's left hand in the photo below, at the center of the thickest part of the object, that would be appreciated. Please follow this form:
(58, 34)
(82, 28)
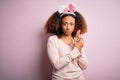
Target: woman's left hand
(78, 41)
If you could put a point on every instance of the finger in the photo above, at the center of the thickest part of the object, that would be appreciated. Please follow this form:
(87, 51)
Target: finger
(81, 35)
(82, 40)
(75, 39)
(78, 33)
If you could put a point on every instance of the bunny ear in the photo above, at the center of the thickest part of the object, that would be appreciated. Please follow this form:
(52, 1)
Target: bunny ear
(72, 7)
(67, 9)
(62, 9)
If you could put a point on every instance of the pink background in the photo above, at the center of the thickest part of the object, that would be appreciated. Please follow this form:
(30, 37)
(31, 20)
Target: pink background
(23, 41)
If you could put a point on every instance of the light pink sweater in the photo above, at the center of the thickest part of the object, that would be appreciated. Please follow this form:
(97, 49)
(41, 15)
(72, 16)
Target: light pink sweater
(68, 63)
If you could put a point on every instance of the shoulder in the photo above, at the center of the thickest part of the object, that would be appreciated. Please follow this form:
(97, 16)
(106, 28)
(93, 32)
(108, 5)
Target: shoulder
(53, 41)
(53, 37)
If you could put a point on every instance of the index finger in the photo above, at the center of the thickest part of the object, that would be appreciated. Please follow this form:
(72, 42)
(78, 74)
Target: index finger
(78, 33)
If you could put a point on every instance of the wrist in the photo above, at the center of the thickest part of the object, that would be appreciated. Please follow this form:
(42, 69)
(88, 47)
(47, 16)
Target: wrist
(79, 49)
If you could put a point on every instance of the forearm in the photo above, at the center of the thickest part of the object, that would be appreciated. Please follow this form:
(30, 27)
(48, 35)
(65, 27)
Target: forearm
(82, 60)
(83, 63)
(60, 62)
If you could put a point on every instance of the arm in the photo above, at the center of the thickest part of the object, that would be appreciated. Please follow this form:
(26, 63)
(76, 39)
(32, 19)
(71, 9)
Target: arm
(53, 54)
(83, 61)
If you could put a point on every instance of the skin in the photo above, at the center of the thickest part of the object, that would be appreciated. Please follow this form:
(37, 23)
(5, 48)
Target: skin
(68, 25)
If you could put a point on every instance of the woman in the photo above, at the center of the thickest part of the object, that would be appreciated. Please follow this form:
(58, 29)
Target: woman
(66, 48)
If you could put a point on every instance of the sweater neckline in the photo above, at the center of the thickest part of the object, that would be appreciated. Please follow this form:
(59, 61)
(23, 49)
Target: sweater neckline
(67, 44)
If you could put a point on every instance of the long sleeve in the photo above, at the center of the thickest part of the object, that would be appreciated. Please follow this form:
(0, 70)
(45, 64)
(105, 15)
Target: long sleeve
(83, 61)
(53, 54)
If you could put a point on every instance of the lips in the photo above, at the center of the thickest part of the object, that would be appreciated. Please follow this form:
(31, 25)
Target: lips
(67, 31)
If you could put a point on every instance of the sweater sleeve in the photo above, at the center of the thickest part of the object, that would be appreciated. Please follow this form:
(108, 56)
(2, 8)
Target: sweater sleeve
(83, 61)
(53, 54)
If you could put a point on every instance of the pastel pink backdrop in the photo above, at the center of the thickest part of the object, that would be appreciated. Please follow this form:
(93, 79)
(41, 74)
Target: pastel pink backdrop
(23, 40)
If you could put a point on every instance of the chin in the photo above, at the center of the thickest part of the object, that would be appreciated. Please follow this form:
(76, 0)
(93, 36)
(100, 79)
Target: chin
(67, 34)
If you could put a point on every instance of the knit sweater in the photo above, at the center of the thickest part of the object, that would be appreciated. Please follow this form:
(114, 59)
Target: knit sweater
(67, 61)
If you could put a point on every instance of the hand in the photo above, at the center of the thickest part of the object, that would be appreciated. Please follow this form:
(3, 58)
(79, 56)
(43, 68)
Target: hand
(78, 41)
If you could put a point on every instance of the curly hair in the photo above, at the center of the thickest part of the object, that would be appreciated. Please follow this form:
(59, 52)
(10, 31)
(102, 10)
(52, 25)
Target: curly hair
(54, 24)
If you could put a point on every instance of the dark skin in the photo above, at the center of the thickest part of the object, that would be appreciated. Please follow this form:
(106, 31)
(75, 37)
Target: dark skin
(68, 25)
(78, 41)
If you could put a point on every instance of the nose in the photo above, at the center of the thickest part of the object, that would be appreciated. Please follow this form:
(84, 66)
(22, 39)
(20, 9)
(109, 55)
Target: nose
(68, 26)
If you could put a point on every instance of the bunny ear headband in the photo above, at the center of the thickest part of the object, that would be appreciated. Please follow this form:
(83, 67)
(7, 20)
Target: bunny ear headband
(67, 9)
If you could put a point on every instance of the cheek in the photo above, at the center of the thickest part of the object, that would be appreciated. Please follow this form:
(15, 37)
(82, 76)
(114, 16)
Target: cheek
(63, 29)
(73, 27)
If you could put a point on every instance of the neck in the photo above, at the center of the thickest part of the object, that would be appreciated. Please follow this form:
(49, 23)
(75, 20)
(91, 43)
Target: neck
(67, 37)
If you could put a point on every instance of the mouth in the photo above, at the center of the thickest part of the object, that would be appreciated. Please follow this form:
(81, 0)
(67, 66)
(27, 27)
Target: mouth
(68, 32)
